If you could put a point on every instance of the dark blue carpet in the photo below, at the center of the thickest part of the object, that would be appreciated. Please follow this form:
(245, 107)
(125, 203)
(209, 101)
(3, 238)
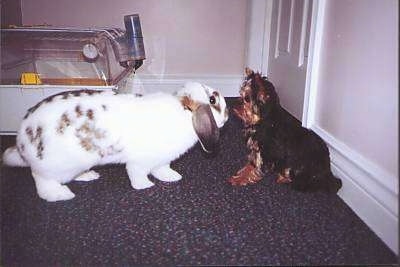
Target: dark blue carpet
(200, 220)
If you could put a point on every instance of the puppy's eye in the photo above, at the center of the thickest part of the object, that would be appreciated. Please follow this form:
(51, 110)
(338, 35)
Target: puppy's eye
(247, 99)
(212, 100)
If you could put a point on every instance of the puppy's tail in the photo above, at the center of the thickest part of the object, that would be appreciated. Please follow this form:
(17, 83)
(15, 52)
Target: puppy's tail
(333, 184)
(11, 157)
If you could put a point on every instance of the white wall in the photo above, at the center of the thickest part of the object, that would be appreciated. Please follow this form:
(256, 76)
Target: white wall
(359, 77)
(354, 105)
(258, 35)
(184, 39)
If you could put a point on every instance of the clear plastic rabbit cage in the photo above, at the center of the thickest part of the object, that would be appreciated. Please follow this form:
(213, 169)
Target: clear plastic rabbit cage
(37, 62)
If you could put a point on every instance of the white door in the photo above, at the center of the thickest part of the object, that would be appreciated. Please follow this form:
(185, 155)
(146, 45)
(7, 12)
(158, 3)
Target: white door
(288, 48)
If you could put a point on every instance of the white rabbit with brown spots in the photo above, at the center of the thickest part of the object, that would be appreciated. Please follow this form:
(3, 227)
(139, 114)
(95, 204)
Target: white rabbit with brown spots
(65, 135)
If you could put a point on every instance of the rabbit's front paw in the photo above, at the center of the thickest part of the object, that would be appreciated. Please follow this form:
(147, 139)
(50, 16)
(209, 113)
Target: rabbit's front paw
(141, 183)
(138, 177)
(166, 174)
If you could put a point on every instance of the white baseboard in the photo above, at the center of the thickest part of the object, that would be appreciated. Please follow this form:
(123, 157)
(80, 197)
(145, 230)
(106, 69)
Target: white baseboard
(368, 190)
(228, 85)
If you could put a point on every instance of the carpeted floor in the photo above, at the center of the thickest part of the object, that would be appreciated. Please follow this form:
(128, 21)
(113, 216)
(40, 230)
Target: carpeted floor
(200, 220)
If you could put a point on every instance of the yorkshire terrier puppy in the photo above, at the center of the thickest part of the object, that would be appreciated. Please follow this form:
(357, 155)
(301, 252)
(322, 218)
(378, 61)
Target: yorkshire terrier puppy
(278, 143)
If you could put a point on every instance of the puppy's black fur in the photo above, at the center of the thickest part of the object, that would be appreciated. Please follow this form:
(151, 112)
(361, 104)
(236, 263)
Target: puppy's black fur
(286, 147)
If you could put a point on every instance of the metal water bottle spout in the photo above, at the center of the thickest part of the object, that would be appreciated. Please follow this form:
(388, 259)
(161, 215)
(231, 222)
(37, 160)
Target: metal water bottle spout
(129, 48)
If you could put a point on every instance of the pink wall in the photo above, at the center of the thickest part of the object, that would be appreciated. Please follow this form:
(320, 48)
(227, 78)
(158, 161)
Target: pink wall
(181, 36)
(359, 83)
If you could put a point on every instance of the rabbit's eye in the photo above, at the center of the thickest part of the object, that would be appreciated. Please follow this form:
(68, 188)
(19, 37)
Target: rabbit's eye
(212, 100)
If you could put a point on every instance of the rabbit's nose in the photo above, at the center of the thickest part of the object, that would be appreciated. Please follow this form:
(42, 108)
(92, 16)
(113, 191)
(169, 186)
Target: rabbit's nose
(226, 115)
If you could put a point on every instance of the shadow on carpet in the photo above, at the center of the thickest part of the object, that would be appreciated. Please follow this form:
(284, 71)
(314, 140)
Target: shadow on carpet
(200, 220)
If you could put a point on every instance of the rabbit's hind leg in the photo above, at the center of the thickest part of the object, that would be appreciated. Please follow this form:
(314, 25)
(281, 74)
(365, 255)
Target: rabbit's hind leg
(50, 189)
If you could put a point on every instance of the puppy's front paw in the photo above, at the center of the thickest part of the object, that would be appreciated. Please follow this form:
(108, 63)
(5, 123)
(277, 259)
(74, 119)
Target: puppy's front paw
(249, 174)
(284, 177)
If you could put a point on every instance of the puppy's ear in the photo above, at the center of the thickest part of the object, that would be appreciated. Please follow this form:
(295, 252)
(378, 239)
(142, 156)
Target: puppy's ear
(203, 123)
(206, 128)
(248, 71)
(262, 94)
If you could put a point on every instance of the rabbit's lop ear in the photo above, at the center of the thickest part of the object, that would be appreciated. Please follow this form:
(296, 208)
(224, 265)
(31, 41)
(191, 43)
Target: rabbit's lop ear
(204, 123)
(205, 127)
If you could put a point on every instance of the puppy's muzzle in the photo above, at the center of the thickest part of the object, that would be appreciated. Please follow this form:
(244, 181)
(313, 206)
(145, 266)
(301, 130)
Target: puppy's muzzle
(239, 111)
(246, 115)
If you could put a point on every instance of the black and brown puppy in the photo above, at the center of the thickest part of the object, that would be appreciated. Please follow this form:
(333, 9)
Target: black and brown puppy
(278, 143)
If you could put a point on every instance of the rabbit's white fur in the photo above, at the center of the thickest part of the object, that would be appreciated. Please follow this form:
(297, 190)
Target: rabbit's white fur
(63, 137)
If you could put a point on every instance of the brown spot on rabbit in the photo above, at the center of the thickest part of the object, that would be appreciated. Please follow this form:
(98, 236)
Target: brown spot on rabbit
(85, 129)
(65, 121)
(21, 149)
(29, 132)
(39, 131)
(89, 114)
(40, 149)
(98, 134)
(63, 95)
(35, 137)
(39, 141)
(189, 103)
(87, 135)
(78, 111)
(86, 143)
